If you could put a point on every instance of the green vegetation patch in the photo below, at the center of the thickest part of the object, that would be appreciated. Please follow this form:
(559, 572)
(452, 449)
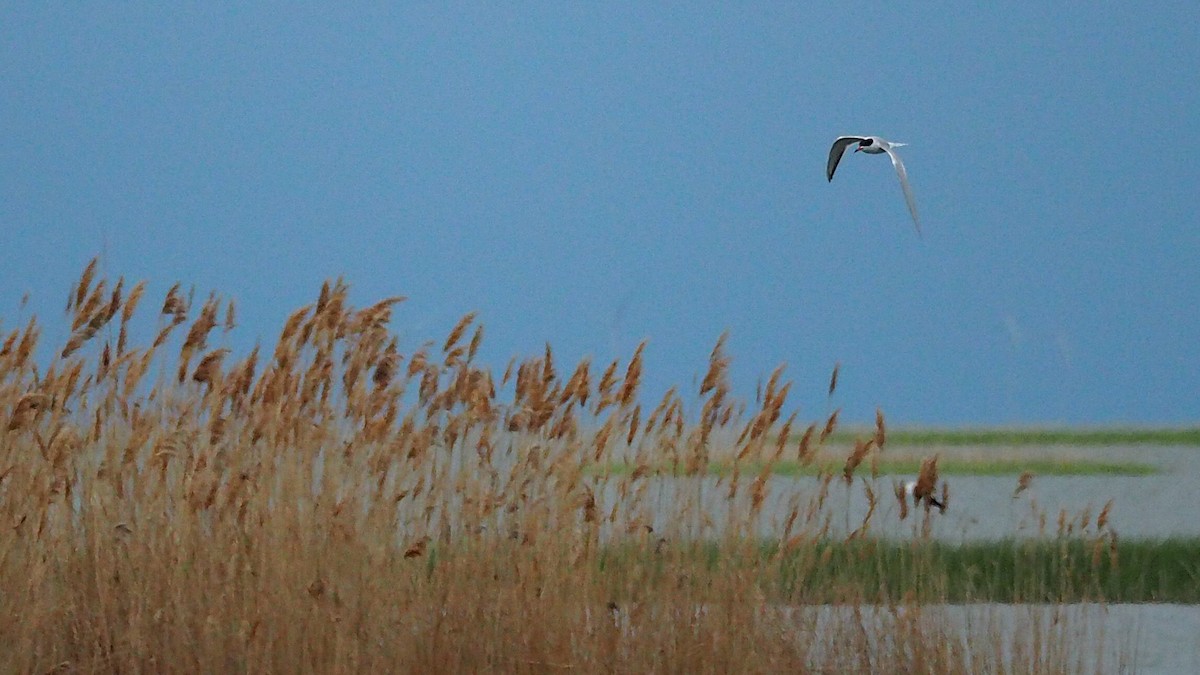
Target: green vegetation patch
(1066, 570)
(1009, 571)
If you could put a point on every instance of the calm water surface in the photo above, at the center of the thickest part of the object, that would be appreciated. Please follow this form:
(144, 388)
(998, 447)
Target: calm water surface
(1152, 638)
(1159, 505)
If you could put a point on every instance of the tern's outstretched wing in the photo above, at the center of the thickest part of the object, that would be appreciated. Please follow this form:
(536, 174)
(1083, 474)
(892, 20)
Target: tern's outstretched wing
(908, 195)
(836, 152)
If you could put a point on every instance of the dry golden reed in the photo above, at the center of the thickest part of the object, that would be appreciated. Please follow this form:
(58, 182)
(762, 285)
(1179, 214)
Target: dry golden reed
(1023, 483)
(344, 502)
(926, 485)
(902, 497)
(804, 452)
(856, 457)
(830, 426)
(880, 429)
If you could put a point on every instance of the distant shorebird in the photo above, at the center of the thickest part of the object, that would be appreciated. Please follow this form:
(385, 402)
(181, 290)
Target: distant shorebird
(874, 145)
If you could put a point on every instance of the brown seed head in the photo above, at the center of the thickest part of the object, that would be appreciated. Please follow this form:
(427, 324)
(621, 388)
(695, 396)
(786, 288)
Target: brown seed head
(85, 281)
(901, 497)
(830, 426)
(880, 429)
(417, 549)
(230, 316)
(173, 304)
(1102, 519)
(476, 340)
(1023, 483)
(577, 386)
(27, 409)
(633, 376)
(856, 457)
(804, 452)
(209, 367)
(926, 480)
(114, 301)
(718, 363)
(457, 332)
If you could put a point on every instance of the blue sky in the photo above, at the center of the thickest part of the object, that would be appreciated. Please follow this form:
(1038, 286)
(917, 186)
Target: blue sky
(590, 175)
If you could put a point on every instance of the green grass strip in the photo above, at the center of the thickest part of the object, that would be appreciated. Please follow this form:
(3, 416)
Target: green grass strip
(1066, 570)
(875, 570)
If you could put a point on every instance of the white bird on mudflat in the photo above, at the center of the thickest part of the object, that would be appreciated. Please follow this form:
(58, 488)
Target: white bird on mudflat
(874, 145)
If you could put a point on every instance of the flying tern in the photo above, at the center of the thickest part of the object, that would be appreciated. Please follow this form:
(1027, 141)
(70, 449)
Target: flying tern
(874, 145)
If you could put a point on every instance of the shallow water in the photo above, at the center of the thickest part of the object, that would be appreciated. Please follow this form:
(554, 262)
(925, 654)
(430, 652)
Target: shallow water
(981, 507)
(1151, 638)
(1078, 638)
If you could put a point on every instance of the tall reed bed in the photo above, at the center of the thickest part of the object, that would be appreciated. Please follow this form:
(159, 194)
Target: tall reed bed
(341, 502)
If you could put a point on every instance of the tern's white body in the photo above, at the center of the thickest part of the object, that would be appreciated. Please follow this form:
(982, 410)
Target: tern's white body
(874, 145)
